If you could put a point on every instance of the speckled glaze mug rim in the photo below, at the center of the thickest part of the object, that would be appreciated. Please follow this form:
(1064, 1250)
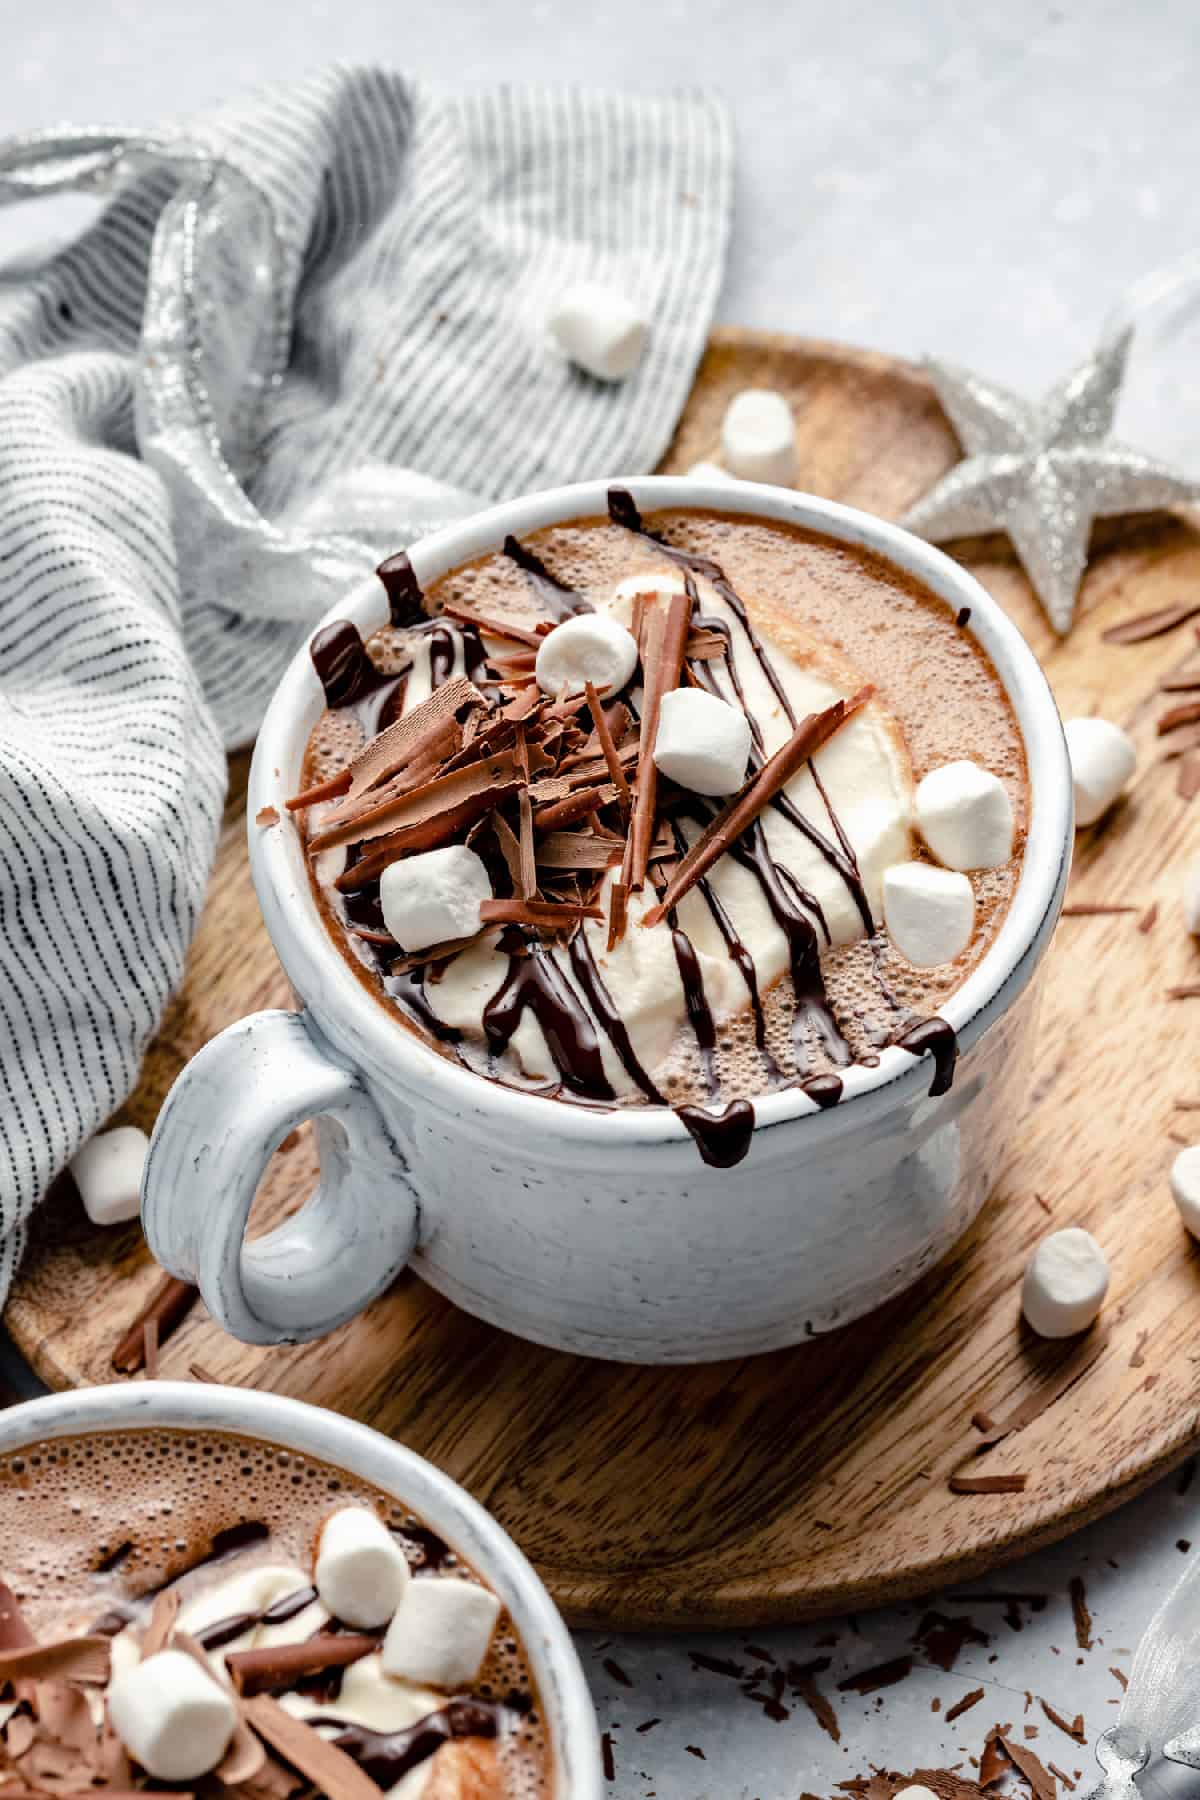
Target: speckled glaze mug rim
(448, 1509)
(313, 962)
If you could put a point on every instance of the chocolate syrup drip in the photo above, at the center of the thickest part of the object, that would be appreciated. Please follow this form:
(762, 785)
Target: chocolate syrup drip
(387, 1756)
(601, 1003)
(722, 1138)
(406, 602)
(935, 1038)
(559, 600)
(739, 955)
(350, 679)
(408, 991)
(826, 1090)
(435, 1551)
(849, 871)
(696, 1000)
(535, 981)
(224, 1631)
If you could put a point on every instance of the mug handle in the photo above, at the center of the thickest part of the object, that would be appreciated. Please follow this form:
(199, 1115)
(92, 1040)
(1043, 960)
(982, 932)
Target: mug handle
(227, 1113)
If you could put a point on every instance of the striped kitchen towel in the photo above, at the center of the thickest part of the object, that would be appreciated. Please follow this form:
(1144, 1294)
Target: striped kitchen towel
(301, 331)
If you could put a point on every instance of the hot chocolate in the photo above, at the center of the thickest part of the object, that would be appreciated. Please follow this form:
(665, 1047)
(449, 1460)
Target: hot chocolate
(229, 1606)
(627, 813)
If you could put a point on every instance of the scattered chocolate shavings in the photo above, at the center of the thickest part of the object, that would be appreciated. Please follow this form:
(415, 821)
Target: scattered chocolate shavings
(647, 1725)
(573, 807)
(1080, 1613)
(1065, 1779)
(964, 1705)
(1083, 909)
(422, 817)
(1120, 1678)
(1150, 625)
(260, 1670)
(717, 1665)
(1187, 782)
(168, 1306)
(83, 1659)
(1186, 713)
(606, 1752)
(1032, 1768)
(869, 1681)
(988, 1484)
(695, 1750)
(266, 815)
(943, 1639)
(1043, 1203)
(576, 850)
(527, 884)
(1179, 684)
(618, 905)
(1073, 1727)
(994, 1759)
(328, 1768)
(812, 731)
(506, 629)
(616, 1671)
(1030, 1731)
(1149, 918)
(705, 646)
(608, 750)
(547, 913)
(1137, 1359)
(1190, 990)
(802, 1681)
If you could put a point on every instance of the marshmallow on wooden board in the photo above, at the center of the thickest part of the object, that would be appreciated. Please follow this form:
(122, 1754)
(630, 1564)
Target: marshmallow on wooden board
(1185, 1187)
(434, 896)
(441, 1633)
(965, 816)
(709, 471)
(702, 741)
(172, 1716)
(1102, 762)
(600, 329)
(929, 913)
(586, 647)
(758, 437)
(108, 1173)
(362, 1575)
(1065, 1283)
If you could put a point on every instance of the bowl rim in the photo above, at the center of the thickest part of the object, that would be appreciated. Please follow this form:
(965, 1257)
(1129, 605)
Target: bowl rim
(319, 974)
(439, 1501)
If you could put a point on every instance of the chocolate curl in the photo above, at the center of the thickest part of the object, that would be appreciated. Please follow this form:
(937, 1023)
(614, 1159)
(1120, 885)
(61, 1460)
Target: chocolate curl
(330, 1770)
(664, 640)
(812, 731)
(1151, 625)
(573, 807)
(1186, 713)
(534, 912)
(83, 1659)
(618, 913)
(432, 723)
(491, 627)
(527, 859)
(577, 850)
(325, 790)
(168, 1306)
(283, 1665)
(609, 750)
(430, 815)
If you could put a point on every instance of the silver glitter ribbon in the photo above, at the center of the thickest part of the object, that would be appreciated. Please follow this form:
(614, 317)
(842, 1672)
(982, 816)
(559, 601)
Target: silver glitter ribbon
(1158, 1709)
(1043, 471)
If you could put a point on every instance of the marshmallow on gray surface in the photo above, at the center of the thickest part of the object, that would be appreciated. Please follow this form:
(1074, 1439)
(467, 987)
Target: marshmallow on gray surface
(965, 816)
(108, 1173)
(709, 471)
(758, 436)
(1065, 1283)
(1102, 761)
(702, 741)
(1191, 897)
(172, 1716)
(441, 1634)
(929, 913)
(1185, 1186)
(600, 329)
(587, 647)
(362, 1574)
(434, 896)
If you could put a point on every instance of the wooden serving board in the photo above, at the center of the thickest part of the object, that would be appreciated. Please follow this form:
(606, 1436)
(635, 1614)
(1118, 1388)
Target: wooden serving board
(815, 1480)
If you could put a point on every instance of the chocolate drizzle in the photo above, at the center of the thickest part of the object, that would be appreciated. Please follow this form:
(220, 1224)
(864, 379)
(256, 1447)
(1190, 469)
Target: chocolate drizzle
(350, 679)
(406, 602)
(934, 1038)
(534, 981)
(602, 1004)
(387, 1756)
(560, 601)
(224, 1631)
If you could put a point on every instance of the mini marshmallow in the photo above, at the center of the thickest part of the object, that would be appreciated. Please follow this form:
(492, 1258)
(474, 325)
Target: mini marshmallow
(702, 741)
(362, 1574)
(929, 913)
(172, 1716)
(1065, 1283)
(758, 436)
(108, 1173)
(1191, 898)
(1102, 761)
(586, 647)
(434, 896)
(965, 816)
(600, 329)
(709, 471)
(441, 1633)
(915, 1792)
(1185, 1186)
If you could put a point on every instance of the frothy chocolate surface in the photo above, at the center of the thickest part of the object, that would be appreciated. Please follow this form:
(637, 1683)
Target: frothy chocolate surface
(93, 1529)
(789, 599)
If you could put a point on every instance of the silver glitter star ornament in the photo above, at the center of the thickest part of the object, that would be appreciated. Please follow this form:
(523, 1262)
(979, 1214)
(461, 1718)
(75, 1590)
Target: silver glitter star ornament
(1043, 471)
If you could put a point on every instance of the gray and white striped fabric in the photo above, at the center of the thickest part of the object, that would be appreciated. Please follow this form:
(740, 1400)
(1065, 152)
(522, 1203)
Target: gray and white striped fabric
(302, 331)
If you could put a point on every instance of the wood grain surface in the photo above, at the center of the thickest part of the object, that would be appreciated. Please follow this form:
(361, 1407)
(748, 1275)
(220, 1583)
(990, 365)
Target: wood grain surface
(816, 1480)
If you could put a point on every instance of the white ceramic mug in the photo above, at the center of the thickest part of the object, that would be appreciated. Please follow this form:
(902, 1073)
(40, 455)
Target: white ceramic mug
(597, 1232)
(441, 1504)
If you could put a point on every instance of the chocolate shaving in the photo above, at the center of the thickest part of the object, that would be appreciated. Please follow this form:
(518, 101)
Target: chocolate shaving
(1065, 1779)
(282, 1665)
(1080, 1613)
(1187, 738)
(510, 848)
(83, 1659)
(168, 1306)
(430, 815)
(1149, 918)
(330, 1770)
(573, 807)
(802, 1680)
(1188, 990)
(812, 731)
(1073, 1729)
(163, 1615)
(577, 850)
(1030, 1766)
(266, 815)
(493, 627)
(433, 725)
(618, 912)
(705, 646)
(1187, 783)
(1179, 684)
(527, 884)
(1150, 625)
(324, 790)
(964, 1705)
(1086, 909)
(869, 1681)
(994, 1760)
(535, 912)
(988, 1484)
(663, 640)
(609, 751)
(1186, 713)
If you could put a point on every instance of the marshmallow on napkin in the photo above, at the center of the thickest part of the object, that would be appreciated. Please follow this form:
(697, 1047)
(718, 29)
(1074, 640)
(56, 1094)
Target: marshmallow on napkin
(171, 1716)
(600, 329)
(441, 1633)
(108, 1173)
(362, 1574)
